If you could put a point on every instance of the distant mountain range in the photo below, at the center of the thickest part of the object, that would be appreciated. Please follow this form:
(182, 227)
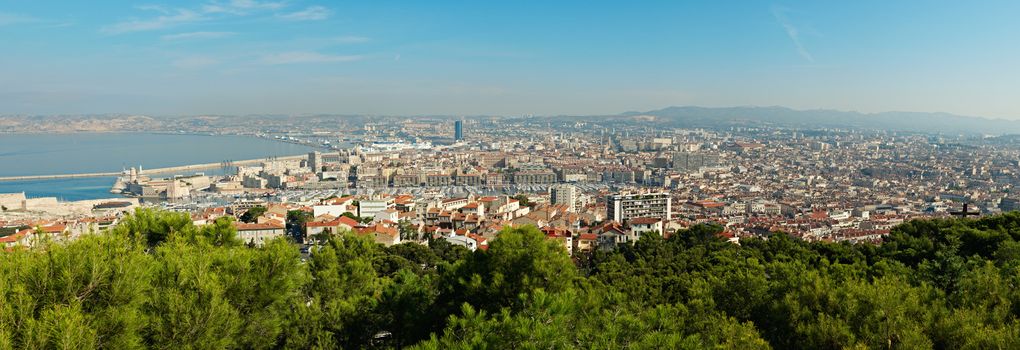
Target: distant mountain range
(781, 116)
(682, 117)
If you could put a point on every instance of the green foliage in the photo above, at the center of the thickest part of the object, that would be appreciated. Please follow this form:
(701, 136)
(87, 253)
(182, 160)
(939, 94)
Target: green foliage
(157, 281)
(153, 227)
(522, 260)
(298, 217)
(523, 200)
(251, 215)
(357, 218)
(83, 295)
(408, 232)
(592, 320)
(7, 231)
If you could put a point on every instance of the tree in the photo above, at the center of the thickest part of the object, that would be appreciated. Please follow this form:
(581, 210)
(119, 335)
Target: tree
(523, 199)
(221, 232)
(87, 294)
(157, 281)
(345, 289)
(296, 220)
(407, 308)
(154, 227)
(446, 251)
(520, 262)
(422, 257)
(408, 231)
(251, 215)
(191, 299)
(357, 218)
(597, 320)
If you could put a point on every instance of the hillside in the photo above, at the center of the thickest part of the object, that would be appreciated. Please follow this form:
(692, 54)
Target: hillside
(786, 117)
(157, 281)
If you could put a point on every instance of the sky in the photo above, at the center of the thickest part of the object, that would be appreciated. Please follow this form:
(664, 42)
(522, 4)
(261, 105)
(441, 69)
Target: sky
(506, 57)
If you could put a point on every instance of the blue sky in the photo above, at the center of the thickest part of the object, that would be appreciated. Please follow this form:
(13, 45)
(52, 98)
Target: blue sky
(506, 58)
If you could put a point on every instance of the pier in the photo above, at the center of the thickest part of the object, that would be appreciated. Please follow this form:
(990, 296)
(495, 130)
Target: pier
(165, 170)
(50, 177)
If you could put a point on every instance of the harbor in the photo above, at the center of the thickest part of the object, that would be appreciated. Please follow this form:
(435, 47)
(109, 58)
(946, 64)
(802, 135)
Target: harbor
(163, 170)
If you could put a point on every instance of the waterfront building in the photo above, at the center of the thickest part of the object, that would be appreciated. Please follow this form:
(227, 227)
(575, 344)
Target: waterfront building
(315, 161)
(12, 201)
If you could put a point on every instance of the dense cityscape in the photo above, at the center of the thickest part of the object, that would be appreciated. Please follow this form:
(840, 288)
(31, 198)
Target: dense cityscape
(588, 184)
(431, 175)
(431, 222)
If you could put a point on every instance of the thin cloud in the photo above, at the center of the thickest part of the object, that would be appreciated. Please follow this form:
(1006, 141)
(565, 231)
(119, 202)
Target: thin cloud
(170, 17)
(241, 7)
(256, 5)
(791, 31)
(7, 19)
(179, 16)
(158, 8)
(194, 62)
(296, 57)
(197, 36)
(13, 18)
(351, 39)
(312, 13)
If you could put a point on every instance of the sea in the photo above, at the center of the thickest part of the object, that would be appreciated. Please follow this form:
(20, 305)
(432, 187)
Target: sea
(54, 154)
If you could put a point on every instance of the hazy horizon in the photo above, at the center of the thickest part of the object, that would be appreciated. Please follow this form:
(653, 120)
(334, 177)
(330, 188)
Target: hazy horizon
(452, 115)
(245, 57)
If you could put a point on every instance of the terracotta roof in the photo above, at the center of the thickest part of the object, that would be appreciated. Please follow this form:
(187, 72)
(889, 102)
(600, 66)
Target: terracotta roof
(378, 228)
(15, 237)
(58, 228)
(343, 220)
(709, 204)
(644, 221)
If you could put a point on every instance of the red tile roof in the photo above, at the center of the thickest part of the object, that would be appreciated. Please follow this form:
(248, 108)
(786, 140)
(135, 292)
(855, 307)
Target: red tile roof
(644, 221)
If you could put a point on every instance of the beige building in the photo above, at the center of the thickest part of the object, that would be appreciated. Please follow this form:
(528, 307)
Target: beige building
(259, 233)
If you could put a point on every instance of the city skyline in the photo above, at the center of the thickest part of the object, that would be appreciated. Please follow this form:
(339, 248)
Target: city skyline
(306, 57)
(238, 174)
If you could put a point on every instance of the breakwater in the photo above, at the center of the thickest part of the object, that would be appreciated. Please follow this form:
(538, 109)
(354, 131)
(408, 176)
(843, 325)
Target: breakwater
(164, 170)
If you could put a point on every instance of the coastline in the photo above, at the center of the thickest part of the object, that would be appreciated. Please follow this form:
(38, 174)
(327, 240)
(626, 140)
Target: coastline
(163, 170)
(76, 166)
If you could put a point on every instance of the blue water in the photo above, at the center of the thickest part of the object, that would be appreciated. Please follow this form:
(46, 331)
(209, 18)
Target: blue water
(45, 154)
(64, 189)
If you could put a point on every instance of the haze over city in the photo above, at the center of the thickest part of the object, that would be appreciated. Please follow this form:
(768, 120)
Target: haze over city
(312, 174)
(506, 58)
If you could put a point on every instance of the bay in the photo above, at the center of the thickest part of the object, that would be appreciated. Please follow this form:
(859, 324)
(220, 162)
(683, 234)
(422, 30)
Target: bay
(51, 154)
